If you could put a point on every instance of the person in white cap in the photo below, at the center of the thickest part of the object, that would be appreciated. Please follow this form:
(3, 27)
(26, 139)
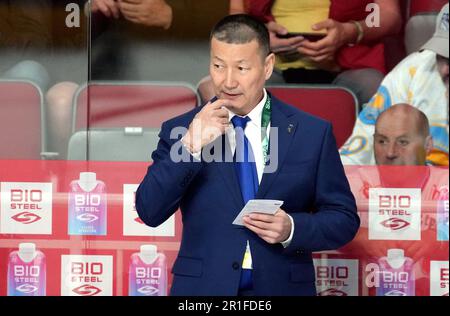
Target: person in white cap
(420, 80)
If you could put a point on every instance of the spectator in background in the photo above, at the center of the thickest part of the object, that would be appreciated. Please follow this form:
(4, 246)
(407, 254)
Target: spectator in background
(24, 25)
(126, 27)
(421, 80)
(347, 52)
(402, 137)
(25, 36)
(401, 145)
(238, 6)
(109, 57)
(135, 40)
(31, 32)
(145, 12)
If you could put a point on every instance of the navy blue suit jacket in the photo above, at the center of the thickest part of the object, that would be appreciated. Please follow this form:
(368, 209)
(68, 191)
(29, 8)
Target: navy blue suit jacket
(310, 180)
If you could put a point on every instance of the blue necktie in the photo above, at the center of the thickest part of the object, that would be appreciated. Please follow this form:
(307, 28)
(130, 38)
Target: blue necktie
(248, 179)
(245, 160)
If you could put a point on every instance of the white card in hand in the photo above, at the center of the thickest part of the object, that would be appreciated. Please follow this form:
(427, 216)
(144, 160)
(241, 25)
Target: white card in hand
(258, 206)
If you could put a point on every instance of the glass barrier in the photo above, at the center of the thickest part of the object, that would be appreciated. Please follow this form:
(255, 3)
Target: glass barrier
(43, 61)
(83, 93)
(71, 228)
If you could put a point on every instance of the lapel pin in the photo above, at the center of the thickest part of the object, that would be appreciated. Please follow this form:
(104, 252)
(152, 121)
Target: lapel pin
(290, 127)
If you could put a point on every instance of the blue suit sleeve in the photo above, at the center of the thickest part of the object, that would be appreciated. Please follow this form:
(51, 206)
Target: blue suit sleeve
(166, 181)
(334, 220)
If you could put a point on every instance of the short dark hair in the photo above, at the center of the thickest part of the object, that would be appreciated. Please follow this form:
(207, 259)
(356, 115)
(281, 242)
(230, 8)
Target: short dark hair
(242, 29)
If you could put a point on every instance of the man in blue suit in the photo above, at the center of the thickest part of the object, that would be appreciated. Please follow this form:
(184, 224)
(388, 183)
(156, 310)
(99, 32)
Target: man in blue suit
(271, 254)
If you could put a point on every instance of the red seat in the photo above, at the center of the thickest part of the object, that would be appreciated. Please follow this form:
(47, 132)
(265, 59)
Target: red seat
(425, 6)
(421, 24)
(143, 104)
(334, 104)
(21, 120)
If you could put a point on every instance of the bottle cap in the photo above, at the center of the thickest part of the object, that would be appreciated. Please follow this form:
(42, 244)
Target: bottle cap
(27, 251)
(396, 258)
(148, 253)
(27, 247)
(396, 253)
(87, 177)
(149, 250)
(88, 181)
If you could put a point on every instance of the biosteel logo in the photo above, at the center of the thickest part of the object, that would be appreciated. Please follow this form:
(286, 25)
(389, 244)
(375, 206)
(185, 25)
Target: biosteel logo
(87, 290)
(395, 293)
(394, 214)
(395, 223)
(26, 208)
(389, 279)
(86, 275)
(26, 218)
(147, 275)
(26, 278)
(87, 272)
(86, 202)
(27, 288)
(26, 200)
(393, 205)
(439, 278)
(88, 218)
(148, 290)
(332, 292)
(336, 277)
(332, 275)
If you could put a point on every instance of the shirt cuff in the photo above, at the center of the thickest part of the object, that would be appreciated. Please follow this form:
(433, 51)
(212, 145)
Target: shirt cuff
(287, 242)
(196, 155)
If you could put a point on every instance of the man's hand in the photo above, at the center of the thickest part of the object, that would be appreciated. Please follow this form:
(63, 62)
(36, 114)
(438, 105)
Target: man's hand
(338, 34)
(272, 228)
(211, 122)
(108, 7)
(280, 45)
(147, 12)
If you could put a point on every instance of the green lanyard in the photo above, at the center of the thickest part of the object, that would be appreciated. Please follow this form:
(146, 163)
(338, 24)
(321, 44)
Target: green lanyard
(265, 120)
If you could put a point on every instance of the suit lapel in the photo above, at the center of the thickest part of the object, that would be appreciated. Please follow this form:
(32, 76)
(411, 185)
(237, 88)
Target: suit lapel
(286, 128)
